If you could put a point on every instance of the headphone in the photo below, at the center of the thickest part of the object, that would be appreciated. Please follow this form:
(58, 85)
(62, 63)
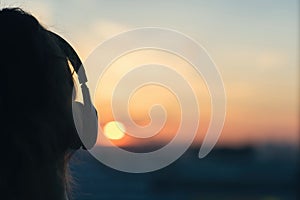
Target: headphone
(84, 114)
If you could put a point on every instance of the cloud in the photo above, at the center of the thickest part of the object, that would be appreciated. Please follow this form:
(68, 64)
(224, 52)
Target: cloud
(271, 60)
(106, 29)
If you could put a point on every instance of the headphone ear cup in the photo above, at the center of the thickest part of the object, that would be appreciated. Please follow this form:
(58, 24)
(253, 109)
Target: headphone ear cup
(89, 126)
(78, 110)
(86, 123)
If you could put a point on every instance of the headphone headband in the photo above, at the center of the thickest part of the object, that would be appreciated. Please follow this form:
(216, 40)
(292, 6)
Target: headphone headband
(72, 56)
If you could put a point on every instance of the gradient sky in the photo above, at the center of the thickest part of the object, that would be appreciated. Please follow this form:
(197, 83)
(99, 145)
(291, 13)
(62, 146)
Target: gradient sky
(254, 43)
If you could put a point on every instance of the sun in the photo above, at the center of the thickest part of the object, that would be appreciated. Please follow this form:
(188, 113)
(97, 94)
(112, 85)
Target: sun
(114, 130)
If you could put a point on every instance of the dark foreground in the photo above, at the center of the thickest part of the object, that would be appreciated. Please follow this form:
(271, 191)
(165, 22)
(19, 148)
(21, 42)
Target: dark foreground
(269, 173)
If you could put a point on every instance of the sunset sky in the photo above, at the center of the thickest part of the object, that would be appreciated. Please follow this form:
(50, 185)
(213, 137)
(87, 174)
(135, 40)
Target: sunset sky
(255, 45)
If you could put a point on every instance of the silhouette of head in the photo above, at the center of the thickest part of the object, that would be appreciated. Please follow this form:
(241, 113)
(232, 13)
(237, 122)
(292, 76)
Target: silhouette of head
(38, 134)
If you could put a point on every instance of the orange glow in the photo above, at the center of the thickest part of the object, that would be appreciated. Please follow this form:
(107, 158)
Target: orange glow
(252, 116)
(114, 130)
